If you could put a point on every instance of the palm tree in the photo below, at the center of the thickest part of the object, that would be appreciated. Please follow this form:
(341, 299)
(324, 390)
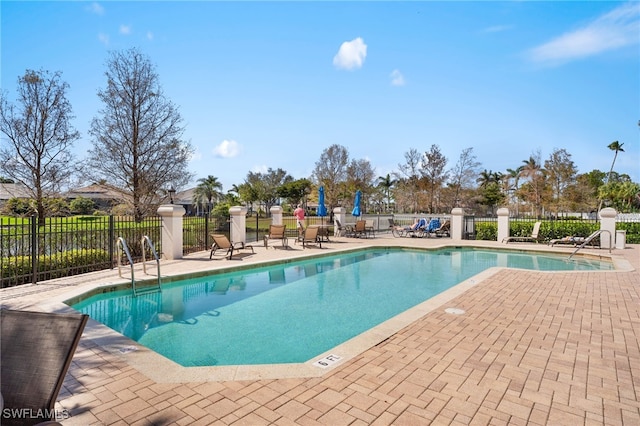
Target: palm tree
(209, 189)
(487, 177)
(617, 147)
(387, 183)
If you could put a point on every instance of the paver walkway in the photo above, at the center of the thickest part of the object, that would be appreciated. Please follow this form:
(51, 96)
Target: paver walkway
(530, 348)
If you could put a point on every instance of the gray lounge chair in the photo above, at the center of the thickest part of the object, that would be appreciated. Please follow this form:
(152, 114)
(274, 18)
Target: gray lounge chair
(533, 238)
(37, 348)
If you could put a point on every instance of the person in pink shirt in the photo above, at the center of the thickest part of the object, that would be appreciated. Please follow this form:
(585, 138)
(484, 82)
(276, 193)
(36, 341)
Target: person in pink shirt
(298, 213)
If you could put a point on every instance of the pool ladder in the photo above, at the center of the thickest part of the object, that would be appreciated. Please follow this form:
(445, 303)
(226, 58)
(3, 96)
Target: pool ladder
(122, 245)
(591, 237)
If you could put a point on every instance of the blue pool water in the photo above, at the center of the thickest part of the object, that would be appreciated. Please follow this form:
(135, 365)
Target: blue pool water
(290, 313)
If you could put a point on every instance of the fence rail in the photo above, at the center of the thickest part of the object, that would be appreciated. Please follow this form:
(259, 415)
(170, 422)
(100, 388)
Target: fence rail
(66, 246)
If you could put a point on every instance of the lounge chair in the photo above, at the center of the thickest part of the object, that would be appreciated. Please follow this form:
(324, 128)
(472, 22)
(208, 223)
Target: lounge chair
(341, 230)
(415, 230)
(37, 348)
(360, 230)
(310, 236)
(575, 241)
(444, 230)
(277, 232)
(370, 228)
(533, 238)
(434, 224)
(221, 242)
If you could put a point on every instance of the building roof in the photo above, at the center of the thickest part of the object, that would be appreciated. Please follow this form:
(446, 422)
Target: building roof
(13, 190)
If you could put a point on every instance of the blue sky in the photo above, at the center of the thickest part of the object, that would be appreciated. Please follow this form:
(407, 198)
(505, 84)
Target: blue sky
(262, 84)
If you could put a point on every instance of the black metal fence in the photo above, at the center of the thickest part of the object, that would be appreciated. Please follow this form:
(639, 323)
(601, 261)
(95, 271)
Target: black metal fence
(66, 246)
(197, 230)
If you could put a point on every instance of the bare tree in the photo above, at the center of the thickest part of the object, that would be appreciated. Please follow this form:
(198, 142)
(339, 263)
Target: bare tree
(331, 172)
(137, 139)
(39, 136)
(463, 174)
(434, 174)
(561, 172)
(408, 186)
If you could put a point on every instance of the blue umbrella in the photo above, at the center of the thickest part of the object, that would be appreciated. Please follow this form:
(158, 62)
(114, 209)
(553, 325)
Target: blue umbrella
(356, 204)
(322, 209)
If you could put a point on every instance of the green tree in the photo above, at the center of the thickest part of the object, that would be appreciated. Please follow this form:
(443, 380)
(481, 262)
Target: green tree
(137, 137)
(386, 183)
(82, 205)
(616, 147)
(39, 136)
(296, 191)
(208, 191)
(265, 186)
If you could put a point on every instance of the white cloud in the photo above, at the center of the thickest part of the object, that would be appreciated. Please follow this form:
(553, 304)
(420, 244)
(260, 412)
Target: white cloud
(351, 54)
(149, 35)
(397, 79)
(227, 149)
(613, 30)
(260, 169)
(497, 28)
(125, 29)
(104, 38)
(96, 8)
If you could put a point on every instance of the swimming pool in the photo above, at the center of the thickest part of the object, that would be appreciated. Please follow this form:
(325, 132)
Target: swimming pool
(292, 312)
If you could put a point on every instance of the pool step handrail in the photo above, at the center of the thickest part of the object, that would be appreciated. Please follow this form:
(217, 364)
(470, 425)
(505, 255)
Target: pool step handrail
(122, 245)
(591, 237)
(147, 240)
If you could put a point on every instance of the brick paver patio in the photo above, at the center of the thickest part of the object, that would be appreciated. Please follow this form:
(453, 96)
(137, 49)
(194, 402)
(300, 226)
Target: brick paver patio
(531, 348)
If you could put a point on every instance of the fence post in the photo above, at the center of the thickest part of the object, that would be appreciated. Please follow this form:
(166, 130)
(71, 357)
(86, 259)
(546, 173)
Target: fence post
(607, 223)
(171, 215)
(503, 223)
(34, 249)
(457, 224)
(238, 231)
(112, 241)
(276, 215)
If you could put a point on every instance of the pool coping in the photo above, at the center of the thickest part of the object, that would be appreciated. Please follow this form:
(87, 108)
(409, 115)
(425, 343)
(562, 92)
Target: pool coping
(163, 370)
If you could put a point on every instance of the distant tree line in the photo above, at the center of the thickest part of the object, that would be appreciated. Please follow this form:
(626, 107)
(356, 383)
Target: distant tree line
(138, 147)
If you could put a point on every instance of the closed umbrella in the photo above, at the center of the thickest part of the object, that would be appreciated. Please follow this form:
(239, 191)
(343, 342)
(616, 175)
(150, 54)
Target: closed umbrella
(356, 204)
(322, 209)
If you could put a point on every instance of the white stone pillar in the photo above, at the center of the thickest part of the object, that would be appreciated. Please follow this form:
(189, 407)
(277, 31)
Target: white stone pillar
(503, 223)
(457, 224)
(276, 215)
(339, 213)
(238, 228)
(608, 225)
(171, 215)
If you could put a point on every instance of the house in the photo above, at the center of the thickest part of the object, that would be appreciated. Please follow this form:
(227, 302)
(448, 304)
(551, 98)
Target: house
(12, 190)
(103, 195)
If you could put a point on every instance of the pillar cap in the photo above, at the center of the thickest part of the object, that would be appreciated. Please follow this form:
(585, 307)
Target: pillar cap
(238, 210)
(608, 212)
(171, 210)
